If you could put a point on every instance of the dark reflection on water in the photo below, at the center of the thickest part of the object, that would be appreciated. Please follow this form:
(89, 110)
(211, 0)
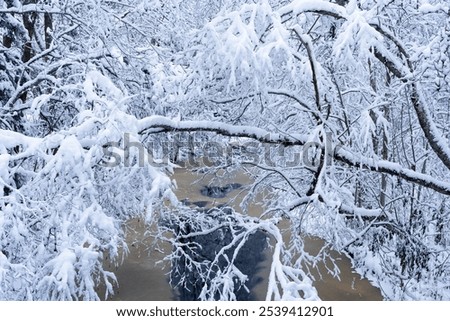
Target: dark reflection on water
(197, 204)
(248, 261)
(219, 191)
(188, 282)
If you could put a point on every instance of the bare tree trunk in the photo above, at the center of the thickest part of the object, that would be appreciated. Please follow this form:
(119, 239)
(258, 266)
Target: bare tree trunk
(7, 41)
(29, 20)
(384, 156)
(384, 136)
(48, 29)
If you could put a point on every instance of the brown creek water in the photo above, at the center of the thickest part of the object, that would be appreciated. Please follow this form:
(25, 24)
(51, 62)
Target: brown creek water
(142, 276)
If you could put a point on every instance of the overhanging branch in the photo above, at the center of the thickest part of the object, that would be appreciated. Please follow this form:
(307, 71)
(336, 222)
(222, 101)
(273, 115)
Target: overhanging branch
(347, 157)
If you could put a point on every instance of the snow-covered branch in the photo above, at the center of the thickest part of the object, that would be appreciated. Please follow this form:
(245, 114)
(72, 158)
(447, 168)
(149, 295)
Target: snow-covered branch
(264, 136)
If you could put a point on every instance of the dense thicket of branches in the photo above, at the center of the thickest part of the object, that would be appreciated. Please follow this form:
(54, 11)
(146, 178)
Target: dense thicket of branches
(359, 89)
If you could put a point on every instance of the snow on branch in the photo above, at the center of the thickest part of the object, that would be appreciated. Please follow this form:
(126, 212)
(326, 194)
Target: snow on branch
(259, 134)
(298, 7)
(31, 8)
(285, 282)
(402, 70)
(264, 136)
(394, 169)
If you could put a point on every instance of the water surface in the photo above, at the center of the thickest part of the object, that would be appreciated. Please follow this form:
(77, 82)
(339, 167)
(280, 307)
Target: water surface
(141, 278)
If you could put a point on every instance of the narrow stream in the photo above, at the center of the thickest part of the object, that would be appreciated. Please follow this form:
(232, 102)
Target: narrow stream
(142, 279)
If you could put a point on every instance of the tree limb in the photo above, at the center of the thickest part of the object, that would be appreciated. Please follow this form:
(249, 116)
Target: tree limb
(264, 136)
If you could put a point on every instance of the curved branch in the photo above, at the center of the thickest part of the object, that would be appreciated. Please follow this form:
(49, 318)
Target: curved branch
(264, 136)
(259, 134)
